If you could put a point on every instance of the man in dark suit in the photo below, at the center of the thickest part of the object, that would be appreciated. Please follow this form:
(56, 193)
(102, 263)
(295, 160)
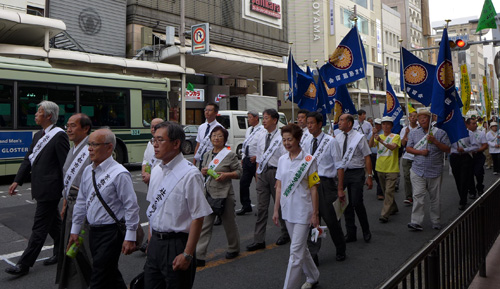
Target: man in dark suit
(45, 160)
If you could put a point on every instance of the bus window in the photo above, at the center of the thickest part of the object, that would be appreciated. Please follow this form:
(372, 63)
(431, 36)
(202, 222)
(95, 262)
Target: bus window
(105, 106)
(153, 107)
(31, 94)
(6, 104)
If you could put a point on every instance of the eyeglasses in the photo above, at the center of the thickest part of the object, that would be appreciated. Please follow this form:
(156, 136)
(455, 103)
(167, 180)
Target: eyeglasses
(157, 140)
(216, 136)
(207, 109)
(96, 144)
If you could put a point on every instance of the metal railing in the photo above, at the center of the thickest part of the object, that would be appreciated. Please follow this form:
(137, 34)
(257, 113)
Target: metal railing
(454, 256)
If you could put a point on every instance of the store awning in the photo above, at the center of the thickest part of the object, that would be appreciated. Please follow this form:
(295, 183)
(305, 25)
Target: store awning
(24, 29)
(228, 62)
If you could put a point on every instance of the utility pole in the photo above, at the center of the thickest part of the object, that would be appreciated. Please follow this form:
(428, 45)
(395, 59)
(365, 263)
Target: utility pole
(182, 39)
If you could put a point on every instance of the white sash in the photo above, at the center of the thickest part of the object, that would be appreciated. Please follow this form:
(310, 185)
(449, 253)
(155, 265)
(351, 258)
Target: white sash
(275, 143)
(298, 175)
(305, 139)
(105, 180)
(423, 141)
(217, 160)
(204, 145)
(251, 136)
(350, 149)
(384, 149)
(153, 161)
(167, 186)
(40, 145)
(321, 147)
(74, 169)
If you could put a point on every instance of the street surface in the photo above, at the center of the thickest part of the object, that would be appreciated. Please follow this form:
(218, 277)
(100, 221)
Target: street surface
(366, 266)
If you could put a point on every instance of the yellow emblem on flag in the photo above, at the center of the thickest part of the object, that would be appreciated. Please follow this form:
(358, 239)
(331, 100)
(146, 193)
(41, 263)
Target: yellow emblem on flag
(313, 179)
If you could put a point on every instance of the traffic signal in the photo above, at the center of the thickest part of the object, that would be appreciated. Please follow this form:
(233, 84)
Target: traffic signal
(459, 44)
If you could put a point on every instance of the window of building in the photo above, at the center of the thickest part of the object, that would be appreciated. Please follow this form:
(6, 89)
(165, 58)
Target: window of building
(34, 11)
(345, 15)
(473, 76)
(361, 3)
(105, 106)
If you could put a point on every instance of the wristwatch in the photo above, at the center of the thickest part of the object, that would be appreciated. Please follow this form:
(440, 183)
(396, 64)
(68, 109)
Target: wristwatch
(370, 176)
(187, 256)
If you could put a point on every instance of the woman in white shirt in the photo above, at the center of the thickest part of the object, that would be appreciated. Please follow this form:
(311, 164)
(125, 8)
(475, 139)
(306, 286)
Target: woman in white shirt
(493, 139)
(299, 206)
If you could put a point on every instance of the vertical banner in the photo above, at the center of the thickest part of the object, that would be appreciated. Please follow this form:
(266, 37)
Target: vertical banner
(486, 98)
(465, 89)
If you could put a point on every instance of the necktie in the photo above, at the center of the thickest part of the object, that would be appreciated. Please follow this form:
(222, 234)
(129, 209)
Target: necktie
(315, 145)
(207, 131)
(268, 141)
(43, 133)
(345, 144)
(246, 149)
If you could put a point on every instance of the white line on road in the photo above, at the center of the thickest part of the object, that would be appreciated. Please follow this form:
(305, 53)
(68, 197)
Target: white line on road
(28, 201)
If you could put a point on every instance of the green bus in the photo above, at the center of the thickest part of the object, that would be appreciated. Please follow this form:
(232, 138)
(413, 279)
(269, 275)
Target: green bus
(126, 104)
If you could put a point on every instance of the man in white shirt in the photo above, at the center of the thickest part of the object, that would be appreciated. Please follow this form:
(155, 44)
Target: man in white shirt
(114, 183)
(363, 126)
(249, 160)
(325, 150)
(175, 213)
(203, 138)
(478, 137)
(351, 165)
(269, 150)
(302, 122)
(407, 157)
(149, 160)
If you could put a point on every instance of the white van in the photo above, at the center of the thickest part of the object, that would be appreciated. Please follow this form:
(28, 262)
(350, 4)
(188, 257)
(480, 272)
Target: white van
(236, 123)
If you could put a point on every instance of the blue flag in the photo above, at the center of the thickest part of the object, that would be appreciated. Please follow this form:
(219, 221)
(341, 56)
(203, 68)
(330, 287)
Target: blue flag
(419, 77)
(309, 71)
(342, 103)
(323, 104)
(392, 107)
(306, 92)
(347, 63)
(444, 95)
(292, 70)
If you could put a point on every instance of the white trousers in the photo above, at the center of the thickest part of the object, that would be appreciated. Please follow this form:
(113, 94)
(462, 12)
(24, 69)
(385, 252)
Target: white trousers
(422, 187)
(300, 258)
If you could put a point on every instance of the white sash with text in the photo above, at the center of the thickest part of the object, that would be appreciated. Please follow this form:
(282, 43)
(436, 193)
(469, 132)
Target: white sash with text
(43, 142)
(74, 169)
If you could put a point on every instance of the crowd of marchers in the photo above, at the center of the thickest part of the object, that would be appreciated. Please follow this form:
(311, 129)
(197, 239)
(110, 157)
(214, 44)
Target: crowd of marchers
(300, 167)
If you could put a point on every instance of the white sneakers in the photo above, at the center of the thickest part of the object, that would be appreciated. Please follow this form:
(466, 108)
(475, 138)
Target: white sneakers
(309, 285)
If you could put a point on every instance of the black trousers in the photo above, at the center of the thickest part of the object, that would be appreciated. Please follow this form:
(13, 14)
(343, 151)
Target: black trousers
(354, 180)
(461, 167)
(47, 221)
(158, 270)
(496, 162)
(248, 174)
(106, 245)
(478, 164)
(373, 158)
(327, 193)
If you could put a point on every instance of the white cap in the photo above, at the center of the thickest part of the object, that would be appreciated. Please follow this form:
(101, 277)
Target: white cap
(377, 121)
(387, 118)
(493, 124)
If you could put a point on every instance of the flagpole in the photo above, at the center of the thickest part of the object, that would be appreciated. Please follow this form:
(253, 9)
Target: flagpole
(365, 65)
(293, 84)
(321, 78)
(404, 82)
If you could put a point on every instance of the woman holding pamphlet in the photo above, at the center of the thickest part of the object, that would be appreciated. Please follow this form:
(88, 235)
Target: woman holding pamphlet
(296, 193)
(220, 166)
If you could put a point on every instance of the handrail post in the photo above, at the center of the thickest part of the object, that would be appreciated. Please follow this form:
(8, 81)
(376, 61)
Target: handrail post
(432, 274)
(482, 240)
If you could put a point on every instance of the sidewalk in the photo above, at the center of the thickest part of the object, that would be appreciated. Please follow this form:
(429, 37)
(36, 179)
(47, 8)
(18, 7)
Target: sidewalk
(492, 270)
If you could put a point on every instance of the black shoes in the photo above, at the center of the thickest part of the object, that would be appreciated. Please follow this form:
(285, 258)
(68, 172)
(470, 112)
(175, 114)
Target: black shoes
(18, 270)
(256, 246)
(340, 257)
(243, 211)
(218, 221)
(232, 255)
(350, 238)
(282, 240)
(462, 207)
(51, 261)
(367, 236)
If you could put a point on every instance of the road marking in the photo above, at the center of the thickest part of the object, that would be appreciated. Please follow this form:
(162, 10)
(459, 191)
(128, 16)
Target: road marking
(219, 262)
(6, 257)
(28, 201)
